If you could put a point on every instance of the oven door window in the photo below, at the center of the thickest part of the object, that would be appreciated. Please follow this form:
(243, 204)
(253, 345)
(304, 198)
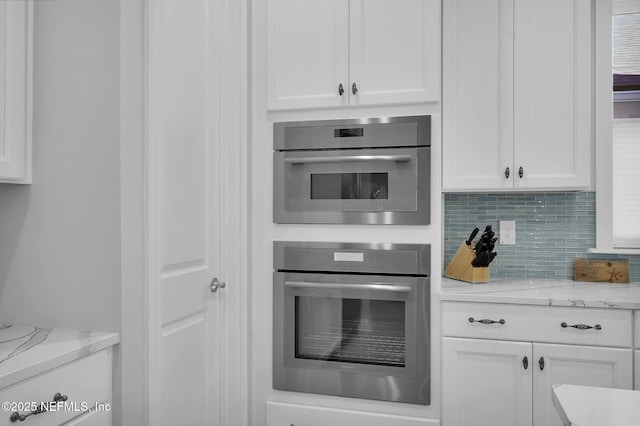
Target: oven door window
(362, 331)
(349, 186)
(351, 180)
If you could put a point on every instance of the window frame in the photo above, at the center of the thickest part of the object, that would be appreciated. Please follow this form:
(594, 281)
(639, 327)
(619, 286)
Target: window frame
(603, 108)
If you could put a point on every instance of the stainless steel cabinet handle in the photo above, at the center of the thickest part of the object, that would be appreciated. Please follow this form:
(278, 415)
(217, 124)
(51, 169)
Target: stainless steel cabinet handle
(42, 408)
(399, 158)
(521, 172)
(354, 88)
(525, 362)
(340, 89)
(215, 285)
(581, 326)
(343, 286)
(487, 321)
(507, 173)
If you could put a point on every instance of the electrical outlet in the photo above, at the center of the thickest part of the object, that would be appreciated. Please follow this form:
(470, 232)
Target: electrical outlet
(507, 232)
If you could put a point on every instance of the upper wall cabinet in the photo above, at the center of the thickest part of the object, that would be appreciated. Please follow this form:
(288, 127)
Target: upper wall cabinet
(516, 95)
(333, 53)
(15, 91)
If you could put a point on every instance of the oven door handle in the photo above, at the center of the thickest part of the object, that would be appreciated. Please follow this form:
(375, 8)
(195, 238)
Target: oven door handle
(342, 286)
(398, 158)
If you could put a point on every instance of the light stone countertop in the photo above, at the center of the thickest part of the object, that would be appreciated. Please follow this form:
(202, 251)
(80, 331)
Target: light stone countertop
(26, 351)
(544, 292)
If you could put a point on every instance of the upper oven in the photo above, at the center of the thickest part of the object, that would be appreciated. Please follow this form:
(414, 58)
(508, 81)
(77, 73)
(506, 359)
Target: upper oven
(360, 171)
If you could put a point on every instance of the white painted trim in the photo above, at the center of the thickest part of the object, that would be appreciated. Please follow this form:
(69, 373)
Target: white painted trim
(234, 173)
(603, 125)
(130, 379)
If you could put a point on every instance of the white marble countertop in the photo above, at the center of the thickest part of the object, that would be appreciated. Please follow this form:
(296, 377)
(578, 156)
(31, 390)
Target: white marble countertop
(26, 351)
(595, 406)
(544, 292)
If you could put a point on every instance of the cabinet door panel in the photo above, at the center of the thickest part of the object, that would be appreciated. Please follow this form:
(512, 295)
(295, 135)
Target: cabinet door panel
(477, 134)
(394, 51)
(552, 93)
(575, 365)
(486, 383)
(308, 45)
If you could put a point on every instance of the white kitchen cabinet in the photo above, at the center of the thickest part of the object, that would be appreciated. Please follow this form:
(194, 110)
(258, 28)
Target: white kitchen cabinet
(283, 414)
(16, 19)
(485, 383)
(575, 365)
(86, 382)
(332, 53)
(500, 371)
(516, 95)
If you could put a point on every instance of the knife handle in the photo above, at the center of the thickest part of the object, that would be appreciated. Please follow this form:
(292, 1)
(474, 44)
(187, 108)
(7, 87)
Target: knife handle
(472, 236)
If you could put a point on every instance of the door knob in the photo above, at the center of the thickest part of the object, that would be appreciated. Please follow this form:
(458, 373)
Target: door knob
(215, 285)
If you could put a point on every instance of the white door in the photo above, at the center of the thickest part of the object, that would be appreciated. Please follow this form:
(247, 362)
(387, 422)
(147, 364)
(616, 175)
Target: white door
(184, 214)
(486, 383)
(575, 365)
(308, 53)
(552, 93)
(477, 103)
(395, 51)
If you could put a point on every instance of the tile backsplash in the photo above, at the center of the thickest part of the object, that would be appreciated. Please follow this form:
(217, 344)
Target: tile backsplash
(552, 230)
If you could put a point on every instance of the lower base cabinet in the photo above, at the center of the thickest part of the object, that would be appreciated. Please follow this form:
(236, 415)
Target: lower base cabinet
(282, 414)
(508, 383)
(86, 383)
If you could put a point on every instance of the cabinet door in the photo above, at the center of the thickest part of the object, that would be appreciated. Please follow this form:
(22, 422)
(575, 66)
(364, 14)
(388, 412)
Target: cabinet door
(575, 365)
(395, 51)
(552, 93)
(308, 53)
(15, 92)
(636, 385)
(485, 383)
(477, 135)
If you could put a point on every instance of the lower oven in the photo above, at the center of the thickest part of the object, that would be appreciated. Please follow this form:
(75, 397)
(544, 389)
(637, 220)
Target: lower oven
(352, 320)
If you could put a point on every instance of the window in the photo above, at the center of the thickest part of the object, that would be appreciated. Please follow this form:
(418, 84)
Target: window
(618, 152)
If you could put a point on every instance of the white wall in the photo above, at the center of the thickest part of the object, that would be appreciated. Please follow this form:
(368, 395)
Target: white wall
(60, 236)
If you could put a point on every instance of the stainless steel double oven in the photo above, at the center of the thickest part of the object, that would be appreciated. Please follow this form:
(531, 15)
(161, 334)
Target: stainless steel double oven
(360, 171)
(352, 320)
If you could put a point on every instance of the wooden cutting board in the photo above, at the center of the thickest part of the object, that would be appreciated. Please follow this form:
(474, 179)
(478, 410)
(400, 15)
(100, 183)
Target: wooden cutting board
(607, 271)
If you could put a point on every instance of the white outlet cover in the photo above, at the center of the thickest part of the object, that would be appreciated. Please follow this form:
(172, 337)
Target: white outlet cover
(507, 232)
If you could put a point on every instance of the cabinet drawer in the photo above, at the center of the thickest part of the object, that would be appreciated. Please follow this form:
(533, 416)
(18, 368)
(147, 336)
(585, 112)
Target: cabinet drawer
(537, 323)
(281, 414)
(86, 382)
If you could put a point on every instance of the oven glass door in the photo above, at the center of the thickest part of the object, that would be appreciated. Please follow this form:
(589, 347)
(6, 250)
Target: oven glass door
(369, 180)
(362, 323)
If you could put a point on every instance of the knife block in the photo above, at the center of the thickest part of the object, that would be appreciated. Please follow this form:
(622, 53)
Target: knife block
(460, 267)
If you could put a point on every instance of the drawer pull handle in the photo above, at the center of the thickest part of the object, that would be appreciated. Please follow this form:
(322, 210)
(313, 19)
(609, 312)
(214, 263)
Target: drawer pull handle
(487, 321)
(541, 363)
(17, 417)
(581, 326)
(525, 362)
